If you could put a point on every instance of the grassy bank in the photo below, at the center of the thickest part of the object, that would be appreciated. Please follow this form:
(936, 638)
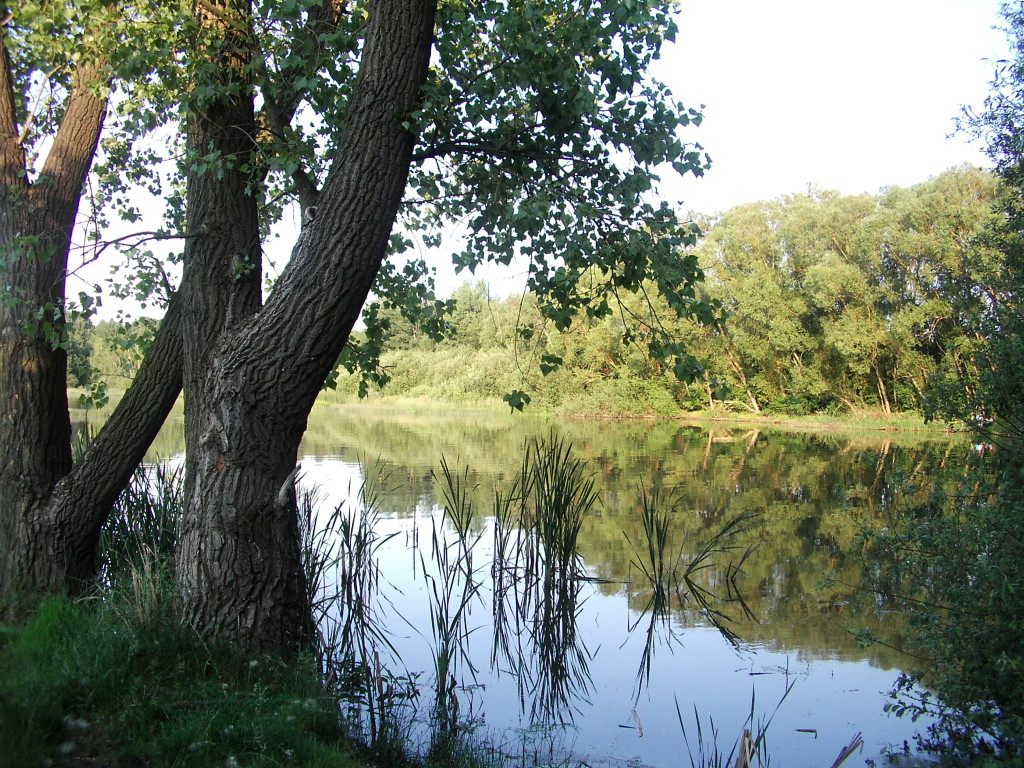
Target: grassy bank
(114, 679)
(862, 420)
(117, 682)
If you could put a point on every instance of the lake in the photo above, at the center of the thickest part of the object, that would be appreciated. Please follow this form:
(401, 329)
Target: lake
(581, 670)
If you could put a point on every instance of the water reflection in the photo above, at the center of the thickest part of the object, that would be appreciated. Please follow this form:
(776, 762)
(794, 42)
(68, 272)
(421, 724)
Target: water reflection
(609, 650)
(603, 637)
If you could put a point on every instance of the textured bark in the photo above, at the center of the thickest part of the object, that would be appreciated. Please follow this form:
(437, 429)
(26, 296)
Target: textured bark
(54, 540)
(249, 392)
(51, 513)
(36, 220)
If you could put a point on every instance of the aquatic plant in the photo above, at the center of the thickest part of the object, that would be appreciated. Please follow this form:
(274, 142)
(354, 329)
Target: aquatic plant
(537, 573)
(666, 575)
(142, 528)
(343, 590)
(454, 586)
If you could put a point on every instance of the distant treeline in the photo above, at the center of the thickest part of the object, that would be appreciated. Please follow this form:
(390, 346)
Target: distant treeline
(830, 303)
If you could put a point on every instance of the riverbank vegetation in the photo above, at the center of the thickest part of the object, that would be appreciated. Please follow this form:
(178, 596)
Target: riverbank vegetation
(831, 304)
(904, 301)
(958, 575)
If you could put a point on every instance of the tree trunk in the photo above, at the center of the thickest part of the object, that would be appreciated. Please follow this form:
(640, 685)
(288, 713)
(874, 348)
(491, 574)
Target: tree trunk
(52, 543)
(36, 220)
(883, 393)
(737, 365)
(51, 514)
(250, 389)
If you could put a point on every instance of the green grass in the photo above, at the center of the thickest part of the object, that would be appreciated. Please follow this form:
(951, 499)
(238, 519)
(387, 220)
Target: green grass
(116, 680)
(95, 679)
(860, 420)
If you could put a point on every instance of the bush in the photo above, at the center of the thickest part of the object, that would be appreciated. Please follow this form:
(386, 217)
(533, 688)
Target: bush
(967, 618)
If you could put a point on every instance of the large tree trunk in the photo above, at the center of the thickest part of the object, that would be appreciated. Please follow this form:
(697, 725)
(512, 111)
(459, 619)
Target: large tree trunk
(249, 392)
(51, 514)
(51, 544)
(36, 220)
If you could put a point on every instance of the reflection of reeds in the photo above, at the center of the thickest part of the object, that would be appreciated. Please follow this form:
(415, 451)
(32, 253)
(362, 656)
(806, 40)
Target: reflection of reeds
(666, 573)
(748, 748)
(709, 557)
(537, 573)
(453, 588)
(343, 578)
(654, 564)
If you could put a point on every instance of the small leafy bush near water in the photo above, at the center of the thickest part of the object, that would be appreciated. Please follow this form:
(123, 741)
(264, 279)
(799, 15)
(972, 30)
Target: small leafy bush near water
(959, 575)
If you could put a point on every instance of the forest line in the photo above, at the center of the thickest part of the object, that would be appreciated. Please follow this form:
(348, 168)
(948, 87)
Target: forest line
(831, 303)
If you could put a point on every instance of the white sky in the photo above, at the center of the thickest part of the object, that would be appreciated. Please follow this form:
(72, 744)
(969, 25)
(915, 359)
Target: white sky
(850, 96)
(847, 96)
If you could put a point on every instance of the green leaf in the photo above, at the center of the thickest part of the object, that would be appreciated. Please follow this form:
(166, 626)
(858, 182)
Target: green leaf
(516, 400)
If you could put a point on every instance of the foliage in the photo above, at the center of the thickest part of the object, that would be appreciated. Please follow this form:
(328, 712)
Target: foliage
(842, 302)
(965, 573)
(834, 304)
(546, 157)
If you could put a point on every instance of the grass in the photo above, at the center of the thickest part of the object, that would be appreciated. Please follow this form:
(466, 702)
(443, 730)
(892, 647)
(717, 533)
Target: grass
(115, 679)
(860, 420)
(94, 679)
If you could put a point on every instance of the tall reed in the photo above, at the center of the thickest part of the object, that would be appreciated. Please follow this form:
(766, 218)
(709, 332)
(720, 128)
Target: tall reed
(343, 581)
(749, 747)
(454, 587)
(537, 572)
(667, 574)
(135, 553)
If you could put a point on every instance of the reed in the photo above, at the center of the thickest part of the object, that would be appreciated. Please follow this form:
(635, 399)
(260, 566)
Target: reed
(139, 536)
(650, 556)
(749, 748)
(561, 496)
(454, 586)
(340, 555)
(537, 572)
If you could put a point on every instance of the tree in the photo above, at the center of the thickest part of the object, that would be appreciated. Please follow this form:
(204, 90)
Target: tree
(964, 565)
(536, 125)
(54, 88)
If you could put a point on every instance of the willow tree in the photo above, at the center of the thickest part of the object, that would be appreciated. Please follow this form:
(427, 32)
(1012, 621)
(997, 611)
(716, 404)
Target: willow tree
(535, 125)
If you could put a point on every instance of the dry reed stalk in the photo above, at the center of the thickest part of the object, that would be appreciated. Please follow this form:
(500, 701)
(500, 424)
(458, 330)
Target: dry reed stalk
(746, 750)
(855, 743)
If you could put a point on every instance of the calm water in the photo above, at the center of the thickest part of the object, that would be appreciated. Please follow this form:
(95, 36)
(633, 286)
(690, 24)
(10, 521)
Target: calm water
(598, 679)
(612, 678)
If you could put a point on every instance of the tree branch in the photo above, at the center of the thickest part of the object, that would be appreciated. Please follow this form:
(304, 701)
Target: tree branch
(280, 100)
(83, 498)
(12, 154)
(74, 146)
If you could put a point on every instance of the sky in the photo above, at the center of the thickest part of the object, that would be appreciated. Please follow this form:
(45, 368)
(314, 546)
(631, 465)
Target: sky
(847, 96)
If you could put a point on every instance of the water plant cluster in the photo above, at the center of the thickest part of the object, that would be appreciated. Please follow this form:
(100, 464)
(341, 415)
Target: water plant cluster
(519, 563)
